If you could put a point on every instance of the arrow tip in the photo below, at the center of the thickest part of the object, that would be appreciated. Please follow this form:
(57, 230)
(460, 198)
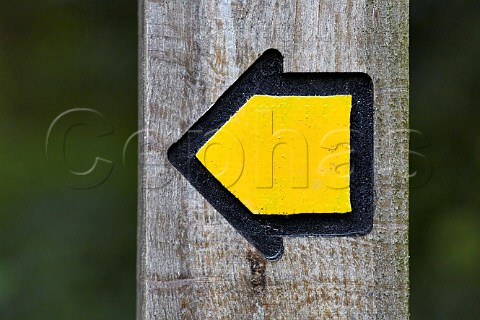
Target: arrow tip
(271, 62)
(270, 247)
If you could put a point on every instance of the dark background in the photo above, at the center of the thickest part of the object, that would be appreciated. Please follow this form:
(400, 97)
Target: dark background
(444, 106)
(69, 253)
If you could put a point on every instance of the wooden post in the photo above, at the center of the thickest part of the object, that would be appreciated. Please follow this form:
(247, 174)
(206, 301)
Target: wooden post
(191, 263)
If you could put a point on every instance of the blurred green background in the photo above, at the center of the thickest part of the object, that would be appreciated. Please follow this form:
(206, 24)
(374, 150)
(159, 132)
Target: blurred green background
(445, 213)
(69, 253)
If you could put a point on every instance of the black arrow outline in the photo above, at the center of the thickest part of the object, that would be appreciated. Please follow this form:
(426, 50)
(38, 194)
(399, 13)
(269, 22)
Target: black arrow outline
(265, 77)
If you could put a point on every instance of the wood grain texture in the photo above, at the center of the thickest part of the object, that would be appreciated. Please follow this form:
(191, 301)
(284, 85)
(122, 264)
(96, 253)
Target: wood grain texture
(191, 263)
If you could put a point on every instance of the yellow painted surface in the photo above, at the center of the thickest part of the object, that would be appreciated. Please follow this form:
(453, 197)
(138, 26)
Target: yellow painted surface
(285, 155)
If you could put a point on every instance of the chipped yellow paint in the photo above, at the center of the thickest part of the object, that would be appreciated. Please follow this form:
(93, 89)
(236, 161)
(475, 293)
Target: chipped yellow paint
(285, 155)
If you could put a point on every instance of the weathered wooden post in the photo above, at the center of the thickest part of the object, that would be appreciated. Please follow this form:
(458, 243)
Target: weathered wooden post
(192, 264)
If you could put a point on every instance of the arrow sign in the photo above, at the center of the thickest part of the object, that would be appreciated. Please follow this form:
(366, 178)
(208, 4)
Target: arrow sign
(285, 154)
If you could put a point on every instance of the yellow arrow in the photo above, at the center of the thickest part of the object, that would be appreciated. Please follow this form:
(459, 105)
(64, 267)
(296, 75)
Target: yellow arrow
(285, 154)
